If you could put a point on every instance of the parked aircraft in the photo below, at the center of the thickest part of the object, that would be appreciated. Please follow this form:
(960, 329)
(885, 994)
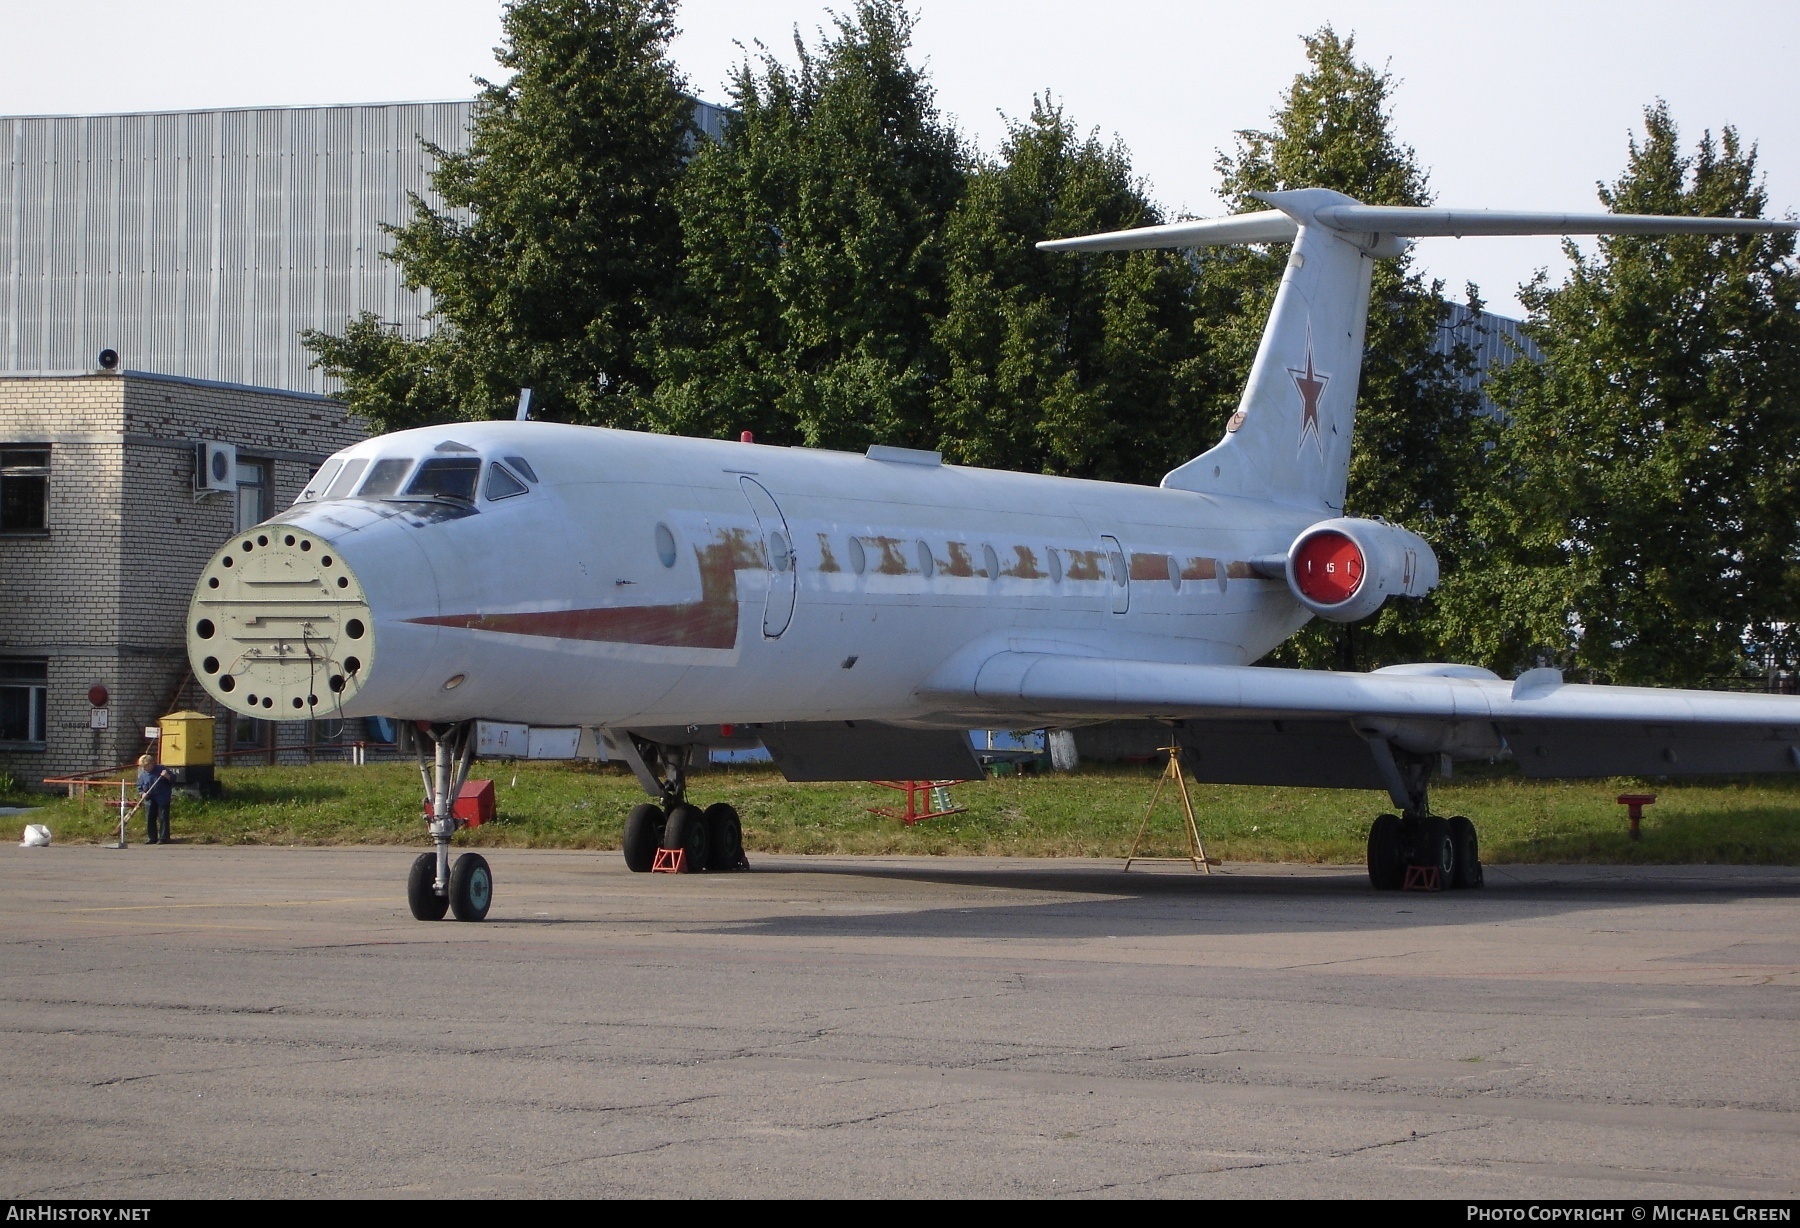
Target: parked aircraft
(856, 614)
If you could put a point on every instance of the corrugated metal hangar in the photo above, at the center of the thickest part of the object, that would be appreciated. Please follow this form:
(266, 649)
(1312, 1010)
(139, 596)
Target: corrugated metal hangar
(200, 243)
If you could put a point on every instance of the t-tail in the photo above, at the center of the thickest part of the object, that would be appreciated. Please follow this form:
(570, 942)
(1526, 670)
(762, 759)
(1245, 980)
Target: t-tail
(1290, 438)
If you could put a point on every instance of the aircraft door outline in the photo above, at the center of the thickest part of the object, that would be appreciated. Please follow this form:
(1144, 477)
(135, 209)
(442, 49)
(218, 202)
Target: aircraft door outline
(778, 557)
(1118, 568)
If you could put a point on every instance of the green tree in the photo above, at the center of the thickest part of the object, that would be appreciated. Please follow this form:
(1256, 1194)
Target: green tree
(557, 242)
(814, 249)
(1416, 451)
(1081, 365)
(1642, 518)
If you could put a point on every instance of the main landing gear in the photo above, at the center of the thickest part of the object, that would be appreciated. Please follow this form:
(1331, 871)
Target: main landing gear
(465, 888)
(689, 838)
(1435, 852)
(1415, 849)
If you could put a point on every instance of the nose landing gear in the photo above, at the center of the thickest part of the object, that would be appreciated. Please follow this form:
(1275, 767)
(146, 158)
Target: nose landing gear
(435, 886)
(711, 839)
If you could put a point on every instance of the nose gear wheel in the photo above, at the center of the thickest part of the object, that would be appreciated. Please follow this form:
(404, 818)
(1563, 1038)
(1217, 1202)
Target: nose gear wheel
(435, 886)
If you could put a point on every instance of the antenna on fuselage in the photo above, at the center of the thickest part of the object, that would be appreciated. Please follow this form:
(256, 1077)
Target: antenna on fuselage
(524, 414)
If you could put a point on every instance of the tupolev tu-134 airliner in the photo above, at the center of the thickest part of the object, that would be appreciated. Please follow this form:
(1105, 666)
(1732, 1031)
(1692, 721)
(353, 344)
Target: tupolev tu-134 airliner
(857, 614)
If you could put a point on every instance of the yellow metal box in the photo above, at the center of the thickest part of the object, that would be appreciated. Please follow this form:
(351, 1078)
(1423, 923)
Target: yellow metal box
(187, 739)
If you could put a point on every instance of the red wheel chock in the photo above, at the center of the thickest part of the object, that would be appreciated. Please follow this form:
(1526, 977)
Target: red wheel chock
(1423, 878)
(669, 861)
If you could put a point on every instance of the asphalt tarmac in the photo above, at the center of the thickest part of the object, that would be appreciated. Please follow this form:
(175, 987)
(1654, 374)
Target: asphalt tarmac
(201, 1021)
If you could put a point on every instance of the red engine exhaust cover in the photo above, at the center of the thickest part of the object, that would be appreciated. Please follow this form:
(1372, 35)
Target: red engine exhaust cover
(1329, 568)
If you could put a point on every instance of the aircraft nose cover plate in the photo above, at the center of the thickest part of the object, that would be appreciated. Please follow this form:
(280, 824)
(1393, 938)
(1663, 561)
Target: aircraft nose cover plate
(1329, 568)
(280, 627)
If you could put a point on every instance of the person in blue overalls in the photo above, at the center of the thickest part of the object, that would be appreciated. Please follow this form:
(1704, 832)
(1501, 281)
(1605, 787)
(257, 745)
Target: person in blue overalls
(156, 787)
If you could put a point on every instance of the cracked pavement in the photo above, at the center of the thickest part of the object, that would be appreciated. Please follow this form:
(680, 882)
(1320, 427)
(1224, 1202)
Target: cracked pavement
(238, 1022)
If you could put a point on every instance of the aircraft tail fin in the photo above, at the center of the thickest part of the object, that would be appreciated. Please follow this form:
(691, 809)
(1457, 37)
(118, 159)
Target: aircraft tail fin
(1290, 437)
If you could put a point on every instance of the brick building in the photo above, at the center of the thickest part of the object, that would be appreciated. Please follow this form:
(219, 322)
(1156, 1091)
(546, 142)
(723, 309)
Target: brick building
(103, 536)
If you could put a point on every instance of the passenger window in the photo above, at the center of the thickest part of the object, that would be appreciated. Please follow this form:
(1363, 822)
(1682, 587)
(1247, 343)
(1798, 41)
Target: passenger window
(523, 466)
(321, 480)
(346, 481)
(385, 476)
(446, 477)
(503, 485)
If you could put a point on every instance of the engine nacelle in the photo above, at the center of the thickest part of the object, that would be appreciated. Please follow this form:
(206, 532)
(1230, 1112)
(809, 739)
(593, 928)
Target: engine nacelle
(1343, 569)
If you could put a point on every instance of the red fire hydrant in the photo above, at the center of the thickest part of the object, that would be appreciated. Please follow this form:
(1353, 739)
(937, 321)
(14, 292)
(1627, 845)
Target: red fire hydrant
(1637, 802)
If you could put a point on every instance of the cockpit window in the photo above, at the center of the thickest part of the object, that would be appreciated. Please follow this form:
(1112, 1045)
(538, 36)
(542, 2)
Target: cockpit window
(446, 477)
(523, 466)
(320, 481)
(346, 481)
(385, 476)
(503, 485)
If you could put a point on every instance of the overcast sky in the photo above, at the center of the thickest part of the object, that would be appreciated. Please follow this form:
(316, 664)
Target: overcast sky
(1520, 105)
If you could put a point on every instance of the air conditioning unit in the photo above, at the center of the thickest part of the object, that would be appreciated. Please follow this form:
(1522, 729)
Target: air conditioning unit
(215, 466)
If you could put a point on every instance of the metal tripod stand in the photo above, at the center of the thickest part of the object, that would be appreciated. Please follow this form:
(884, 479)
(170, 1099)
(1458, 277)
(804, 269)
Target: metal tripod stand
(1196, 850)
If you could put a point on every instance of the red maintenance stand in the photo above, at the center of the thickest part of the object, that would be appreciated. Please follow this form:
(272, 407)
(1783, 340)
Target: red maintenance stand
(925, 799)
(1636, 803)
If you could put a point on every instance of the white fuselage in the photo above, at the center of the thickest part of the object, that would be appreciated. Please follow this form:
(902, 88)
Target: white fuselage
(649, 580)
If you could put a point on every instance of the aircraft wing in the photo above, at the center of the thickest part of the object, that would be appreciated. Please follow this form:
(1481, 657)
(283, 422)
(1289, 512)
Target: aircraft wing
(1291, 725)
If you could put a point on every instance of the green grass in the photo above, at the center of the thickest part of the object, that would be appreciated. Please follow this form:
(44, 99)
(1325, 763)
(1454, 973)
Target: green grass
(1091, 814)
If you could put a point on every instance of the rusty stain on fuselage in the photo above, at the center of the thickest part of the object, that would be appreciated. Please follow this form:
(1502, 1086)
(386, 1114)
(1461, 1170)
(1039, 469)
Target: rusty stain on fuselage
(893, 556)
(1025, 565)
(1086, 564)
(1151, 566)
(710, 622)
(961, 563)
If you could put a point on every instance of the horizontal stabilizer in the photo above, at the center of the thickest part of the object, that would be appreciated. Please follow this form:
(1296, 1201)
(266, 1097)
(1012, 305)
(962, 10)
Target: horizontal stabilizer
(1268, 226)
(1282, 225)
(1456, 223)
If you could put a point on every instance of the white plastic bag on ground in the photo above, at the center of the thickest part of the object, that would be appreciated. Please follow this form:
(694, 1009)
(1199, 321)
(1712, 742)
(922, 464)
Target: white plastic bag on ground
(36, 836)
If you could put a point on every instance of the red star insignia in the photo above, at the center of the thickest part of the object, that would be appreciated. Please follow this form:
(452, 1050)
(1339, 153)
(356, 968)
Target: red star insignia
(1312, 386)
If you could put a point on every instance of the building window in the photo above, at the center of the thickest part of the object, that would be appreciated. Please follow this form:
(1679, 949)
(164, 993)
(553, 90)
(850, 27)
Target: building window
(24, 489)
(24, 704)
(249, 733)
(255, 488)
